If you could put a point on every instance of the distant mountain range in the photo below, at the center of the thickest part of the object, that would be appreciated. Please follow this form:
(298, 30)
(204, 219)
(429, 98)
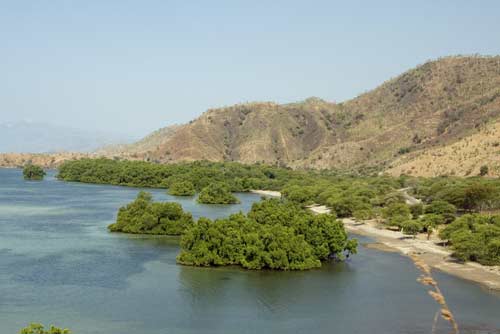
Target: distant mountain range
(33, 137)
(440, 118)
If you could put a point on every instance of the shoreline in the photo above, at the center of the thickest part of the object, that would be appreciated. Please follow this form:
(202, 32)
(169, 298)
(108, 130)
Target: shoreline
(269, 193)
(437, 257)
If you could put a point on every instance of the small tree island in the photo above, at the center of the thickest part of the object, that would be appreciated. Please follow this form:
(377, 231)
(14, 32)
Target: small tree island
(40, 329)
(33, 172)
(275, 234)
(143, 216)
(217, 193)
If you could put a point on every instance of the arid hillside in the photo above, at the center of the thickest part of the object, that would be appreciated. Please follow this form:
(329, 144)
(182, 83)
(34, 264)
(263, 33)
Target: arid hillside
(463, 158)
(438, 118)
(13, 160)
(432, 106)
(155, 139)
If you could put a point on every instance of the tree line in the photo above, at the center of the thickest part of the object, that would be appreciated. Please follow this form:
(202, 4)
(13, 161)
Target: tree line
(443, 199)
(275, 234)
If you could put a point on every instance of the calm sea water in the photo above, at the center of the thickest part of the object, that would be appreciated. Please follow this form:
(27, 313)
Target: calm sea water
(58, 264)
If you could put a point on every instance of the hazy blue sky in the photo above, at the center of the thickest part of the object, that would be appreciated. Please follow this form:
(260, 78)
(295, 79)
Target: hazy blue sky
(134, 66)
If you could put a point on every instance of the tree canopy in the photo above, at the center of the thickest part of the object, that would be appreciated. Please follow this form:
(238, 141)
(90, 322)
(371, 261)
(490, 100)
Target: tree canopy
(475, 237)
(217, 193)
(35, 328)
(33, 172)
(273, 235)
(182, 188)
(347, 195)
(237, 176)
(143, 216)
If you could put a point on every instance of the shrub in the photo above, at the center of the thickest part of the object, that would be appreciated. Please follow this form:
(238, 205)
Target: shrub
(396, 214)
(442, 208)
(403, 150)
(143, 216)
(182, 188)
(392, 198)
(217, 193)
(40, 329)
(411, 227)
(299, 194)
(483, 170)
(363, 214)
(33, 172)
(346, 205)
(430, 221)
(416, 210)
(481, 196)
(475, 237)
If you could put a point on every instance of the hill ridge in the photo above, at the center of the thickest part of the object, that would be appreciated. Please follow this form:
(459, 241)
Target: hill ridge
(426, 108)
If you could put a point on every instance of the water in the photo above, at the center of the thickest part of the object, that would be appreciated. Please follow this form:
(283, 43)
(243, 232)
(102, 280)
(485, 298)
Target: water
(58, 264)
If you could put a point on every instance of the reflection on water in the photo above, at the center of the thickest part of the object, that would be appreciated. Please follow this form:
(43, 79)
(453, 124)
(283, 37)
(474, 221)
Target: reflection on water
(58, 264)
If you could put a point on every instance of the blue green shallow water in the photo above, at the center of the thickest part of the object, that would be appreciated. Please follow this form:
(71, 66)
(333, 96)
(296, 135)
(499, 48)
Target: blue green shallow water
(58, 264)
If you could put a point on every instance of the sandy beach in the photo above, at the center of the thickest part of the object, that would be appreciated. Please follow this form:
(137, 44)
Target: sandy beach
(434, 255)
(269, 193)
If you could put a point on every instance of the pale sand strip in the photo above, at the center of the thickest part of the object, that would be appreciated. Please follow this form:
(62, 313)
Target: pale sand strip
(270, 193)
(434, 255)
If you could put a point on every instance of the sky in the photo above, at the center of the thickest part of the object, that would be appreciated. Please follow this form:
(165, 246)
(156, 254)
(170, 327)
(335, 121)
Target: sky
(135, 66)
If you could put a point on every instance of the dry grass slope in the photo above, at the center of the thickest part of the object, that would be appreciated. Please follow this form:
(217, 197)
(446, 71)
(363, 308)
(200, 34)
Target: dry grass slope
(434, 119)
(433, 105)
(463, 158)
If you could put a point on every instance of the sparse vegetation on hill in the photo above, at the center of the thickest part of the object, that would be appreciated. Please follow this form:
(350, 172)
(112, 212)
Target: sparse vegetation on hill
(429, 107)
(474, 154)
(440, 118)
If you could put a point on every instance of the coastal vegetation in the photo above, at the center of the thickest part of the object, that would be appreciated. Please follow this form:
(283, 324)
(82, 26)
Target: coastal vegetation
(475, 237)
(275, 234)
(237, 177)
(217, 193)
(182, 188)
(437, 202)
(33, 172)
(144, 216)
(36, 328)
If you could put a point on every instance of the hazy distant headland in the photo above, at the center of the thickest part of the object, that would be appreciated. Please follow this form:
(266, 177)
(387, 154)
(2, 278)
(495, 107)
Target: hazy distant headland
(37, 137)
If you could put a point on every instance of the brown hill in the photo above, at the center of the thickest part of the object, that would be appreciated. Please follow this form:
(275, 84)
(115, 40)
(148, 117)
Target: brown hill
(15, 160)
(152, 141)
(439, 118)
(431, 106)
(465, 157)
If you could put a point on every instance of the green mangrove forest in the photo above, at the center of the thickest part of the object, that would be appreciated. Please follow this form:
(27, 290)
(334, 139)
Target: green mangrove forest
(143, 216)
(461, 211)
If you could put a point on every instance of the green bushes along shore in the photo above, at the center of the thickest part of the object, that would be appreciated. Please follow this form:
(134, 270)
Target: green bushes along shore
(440, 201)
